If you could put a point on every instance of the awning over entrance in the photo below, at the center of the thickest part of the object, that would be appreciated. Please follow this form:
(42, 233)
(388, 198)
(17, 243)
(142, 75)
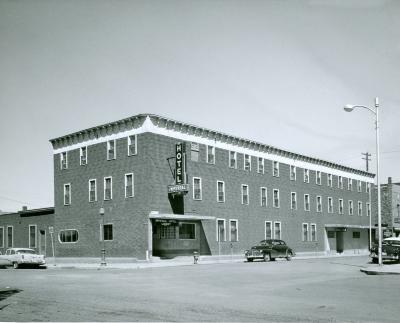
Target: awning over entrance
(346, 226)
(156, 215)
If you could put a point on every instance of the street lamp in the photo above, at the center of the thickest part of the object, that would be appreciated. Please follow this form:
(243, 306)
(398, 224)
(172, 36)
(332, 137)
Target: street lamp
(349, 108)
(103, 251)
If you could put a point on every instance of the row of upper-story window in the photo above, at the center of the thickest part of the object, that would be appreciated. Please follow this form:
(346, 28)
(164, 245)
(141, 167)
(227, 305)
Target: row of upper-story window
(107, 189)
(7, 240)
(197, 194)
(131, 150)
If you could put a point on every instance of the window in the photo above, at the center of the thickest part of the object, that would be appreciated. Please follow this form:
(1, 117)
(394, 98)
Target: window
(247, 162)
(350, 207)
(245, 194)
(64, 160)
(233, 231)
(166, 232)
(10, 236)
(341, 211)
(187, 231)
(356, 234)
(329, 180)
(107, 188)
(197, 191)
(349, 184)
(319, 204)
(313, 232)
(111, 150)
(220, 191)
(359, 186)
(1, 237)
(368, 209)
(367, 187)
(359, 209)
(108, 232)
(83, 156)
(67, 194)
(305, 231)
(194, 151)
(263, 196)
(32, 235)
(132, 145)
(92, 190)
(293, 201)
(232, 159)
(277, 230)
(318, 177)
(260, 165)
(306, 202)
(221, 234)
(306, 176)
(292, 173)
(68, 236)
(129, 188)
(331, 234)
(275, 168)
(340, 182)
(330, 205)
(268, 230)
(211, 154)
(276, 197)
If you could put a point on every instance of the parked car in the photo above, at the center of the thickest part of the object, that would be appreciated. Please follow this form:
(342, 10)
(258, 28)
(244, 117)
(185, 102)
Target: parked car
(269, 250)
(390, 250)
(17, 257)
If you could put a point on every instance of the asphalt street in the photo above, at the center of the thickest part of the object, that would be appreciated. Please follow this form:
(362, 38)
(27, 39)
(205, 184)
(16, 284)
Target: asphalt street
(313, 290)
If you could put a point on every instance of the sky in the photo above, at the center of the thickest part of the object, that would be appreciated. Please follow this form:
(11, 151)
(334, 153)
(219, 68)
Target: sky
(277, 72)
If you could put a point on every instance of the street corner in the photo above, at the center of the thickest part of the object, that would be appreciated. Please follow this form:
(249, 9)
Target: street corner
(388, 269)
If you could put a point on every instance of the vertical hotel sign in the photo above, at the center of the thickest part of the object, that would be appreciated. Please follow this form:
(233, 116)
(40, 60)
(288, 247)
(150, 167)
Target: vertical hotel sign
(180, 187)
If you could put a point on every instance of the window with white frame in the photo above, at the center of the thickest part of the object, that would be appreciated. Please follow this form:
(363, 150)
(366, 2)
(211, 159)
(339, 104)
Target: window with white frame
(368, 206)
(10, 236)
(107, 188)
(197, 190)
(210, 154)
(305, 232)
(64, 160)
(341, 210)
(349, 184)
(245, 194)
(260, 165)
(350, 207)
(187, 231)
(92, 190)
(277, 230)
(220, 191)
(340, 182)
(247, 162)
(111, 153)
(68, 236)
(233, 231)
(359, 208)
(221, 233)
(263, 196)
(83, 156)
(268, 230)
(319, 204)
(67, 194)
(330, 205)
(276, 197)
(132, 145)
(32, 235)
(359, 186)
(1, 237)
(306, 202)
(129, 185)
(306, 176)
(293, 200)
(108, 232)
(292, 173)
(329, 180)
(367, 187)
(275, 168)
(318, 179)
(313, 232)
(194, 151)
(232, 159)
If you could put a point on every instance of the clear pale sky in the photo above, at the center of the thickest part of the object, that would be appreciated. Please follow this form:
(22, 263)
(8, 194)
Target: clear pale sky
(278, 72)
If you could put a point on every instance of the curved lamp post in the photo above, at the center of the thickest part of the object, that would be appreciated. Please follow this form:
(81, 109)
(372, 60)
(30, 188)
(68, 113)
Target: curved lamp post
(349, 108)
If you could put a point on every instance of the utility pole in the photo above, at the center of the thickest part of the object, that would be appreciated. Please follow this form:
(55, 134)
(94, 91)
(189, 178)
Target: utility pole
(367, 159)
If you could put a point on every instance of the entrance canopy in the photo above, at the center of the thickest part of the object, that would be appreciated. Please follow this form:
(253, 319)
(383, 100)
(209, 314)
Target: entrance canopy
(156, 215)
(346, 226)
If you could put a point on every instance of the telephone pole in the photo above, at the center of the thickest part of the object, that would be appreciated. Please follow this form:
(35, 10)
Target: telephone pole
(367, 159)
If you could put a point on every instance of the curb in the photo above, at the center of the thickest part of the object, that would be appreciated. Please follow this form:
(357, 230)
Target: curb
(378, 272)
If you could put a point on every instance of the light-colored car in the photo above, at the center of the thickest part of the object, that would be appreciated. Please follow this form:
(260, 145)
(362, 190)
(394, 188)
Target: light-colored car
(17, 257)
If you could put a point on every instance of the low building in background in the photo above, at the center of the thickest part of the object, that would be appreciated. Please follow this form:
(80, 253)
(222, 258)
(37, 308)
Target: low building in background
(390, 195)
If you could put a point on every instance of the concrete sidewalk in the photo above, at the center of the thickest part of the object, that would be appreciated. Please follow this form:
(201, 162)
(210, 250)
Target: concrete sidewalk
(385, 269)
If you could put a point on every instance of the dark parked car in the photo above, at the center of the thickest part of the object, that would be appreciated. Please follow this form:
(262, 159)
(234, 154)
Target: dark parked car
(390, 250)
(269, 250)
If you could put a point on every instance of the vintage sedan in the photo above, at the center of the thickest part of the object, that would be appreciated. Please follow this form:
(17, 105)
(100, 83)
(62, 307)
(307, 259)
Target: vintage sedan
(269, 250)
(390, 250)
(17, 257)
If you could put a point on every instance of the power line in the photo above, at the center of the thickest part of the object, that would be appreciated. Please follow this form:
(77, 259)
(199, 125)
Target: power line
(13, 200)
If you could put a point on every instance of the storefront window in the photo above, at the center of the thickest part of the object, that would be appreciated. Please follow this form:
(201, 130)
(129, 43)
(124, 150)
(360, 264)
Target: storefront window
(166, 232)
(187, 231)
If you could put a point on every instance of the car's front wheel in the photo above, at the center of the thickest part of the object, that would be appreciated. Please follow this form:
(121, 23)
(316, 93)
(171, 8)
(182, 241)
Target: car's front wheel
(267, 257)
(289, 256)
(250, 259)
(15, 265)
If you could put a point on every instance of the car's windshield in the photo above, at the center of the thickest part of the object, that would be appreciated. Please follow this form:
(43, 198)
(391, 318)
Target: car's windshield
(32, 252)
